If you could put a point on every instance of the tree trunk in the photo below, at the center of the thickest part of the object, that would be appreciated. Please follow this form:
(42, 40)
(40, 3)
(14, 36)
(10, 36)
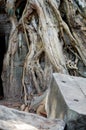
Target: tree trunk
(48, 37)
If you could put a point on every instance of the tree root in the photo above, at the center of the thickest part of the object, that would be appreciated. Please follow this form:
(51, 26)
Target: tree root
(41, 24)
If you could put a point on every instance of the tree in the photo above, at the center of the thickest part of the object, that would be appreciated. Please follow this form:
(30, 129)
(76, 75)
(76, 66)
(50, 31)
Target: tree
(53, 32)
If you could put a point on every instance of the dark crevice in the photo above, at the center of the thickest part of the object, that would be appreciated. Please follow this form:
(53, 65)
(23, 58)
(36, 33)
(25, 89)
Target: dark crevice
(2, 53)
(20, 5)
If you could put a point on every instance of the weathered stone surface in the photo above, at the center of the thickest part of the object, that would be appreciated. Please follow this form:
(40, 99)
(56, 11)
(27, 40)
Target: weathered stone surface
(79, 124)
(5, 25)
(11, 119)
(13, 89)
(67, 98)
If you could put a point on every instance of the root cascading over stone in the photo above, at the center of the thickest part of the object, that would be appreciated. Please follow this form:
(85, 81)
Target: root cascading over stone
(44, 34)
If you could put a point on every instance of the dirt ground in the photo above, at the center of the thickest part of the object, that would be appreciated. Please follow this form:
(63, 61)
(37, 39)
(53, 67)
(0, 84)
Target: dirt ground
(11, 104)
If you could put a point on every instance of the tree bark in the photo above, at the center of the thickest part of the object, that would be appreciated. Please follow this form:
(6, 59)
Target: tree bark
(53, 35)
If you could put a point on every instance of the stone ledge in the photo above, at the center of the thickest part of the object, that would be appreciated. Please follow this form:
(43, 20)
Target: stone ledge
(66, 97)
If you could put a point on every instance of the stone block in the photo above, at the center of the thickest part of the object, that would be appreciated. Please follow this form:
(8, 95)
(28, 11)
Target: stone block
(66, 98)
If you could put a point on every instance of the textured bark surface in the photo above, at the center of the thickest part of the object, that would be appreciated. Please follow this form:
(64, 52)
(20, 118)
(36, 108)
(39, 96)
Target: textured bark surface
(48, 37)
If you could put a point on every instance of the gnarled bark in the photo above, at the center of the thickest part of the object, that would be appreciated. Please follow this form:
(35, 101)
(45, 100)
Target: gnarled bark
(49, 30)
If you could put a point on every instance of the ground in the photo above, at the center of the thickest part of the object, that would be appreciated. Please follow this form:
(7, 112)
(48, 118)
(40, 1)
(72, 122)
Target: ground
(11, 104)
